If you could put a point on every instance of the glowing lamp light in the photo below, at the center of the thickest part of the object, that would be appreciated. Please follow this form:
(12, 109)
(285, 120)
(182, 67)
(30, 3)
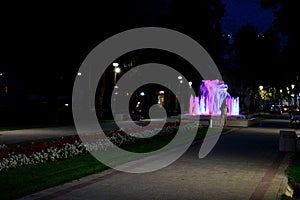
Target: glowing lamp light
(115, 64)
(117, 70)
(292, 86)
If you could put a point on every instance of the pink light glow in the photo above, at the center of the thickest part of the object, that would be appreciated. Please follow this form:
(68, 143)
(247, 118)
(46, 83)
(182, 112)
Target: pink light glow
(212, 94)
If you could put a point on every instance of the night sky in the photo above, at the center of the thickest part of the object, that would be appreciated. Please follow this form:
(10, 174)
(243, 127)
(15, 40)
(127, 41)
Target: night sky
(241, 12)
(48, 41)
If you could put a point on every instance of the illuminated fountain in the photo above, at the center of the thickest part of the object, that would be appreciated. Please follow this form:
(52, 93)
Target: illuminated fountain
(212, 94)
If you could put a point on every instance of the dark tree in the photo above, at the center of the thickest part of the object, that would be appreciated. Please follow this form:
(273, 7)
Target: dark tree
(269, 56)
(284, 28)
(246, 48)
(280, 22)
(199, 20)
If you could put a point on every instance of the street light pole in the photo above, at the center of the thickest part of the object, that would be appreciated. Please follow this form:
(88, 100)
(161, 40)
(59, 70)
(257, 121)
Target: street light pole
(262, 101)
(280, 93)
(116, 71)
(293, 95)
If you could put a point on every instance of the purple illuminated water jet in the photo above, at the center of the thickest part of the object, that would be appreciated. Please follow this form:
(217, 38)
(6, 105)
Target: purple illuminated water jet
(212, 94)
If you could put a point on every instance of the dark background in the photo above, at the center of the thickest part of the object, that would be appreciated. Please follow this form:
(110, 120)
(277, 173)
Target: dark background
(42, 44)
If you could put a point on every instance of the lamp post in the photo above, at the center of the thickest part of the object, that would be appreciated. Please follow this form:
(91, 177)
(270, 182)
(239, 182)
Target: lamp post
(116, 71)
(179, 92)
(280, 93)
(293, 95)
(262, 102)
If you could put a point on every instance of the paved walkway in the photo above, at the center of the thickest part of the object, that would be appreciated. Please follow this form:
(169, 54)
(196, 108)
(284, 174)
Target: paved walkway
(245, 164)
(24, 135)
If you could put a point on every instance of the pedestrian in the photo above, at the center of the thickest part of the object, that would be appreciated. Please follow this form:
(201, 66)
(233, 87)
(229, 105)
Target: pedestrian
(224, 111)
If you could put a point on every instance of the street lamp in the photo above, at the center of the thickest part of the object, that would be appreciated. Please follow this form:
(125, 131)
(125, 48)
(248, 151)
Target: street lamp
(261, 95)
(190, 83)
(280, 96)
(179, 90)
(293, 85)
(292, 95)
(115, 64)
(116, 70)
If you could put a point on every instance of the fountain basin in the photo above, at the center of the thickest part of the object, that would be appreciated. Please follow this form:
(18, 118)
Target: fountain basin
(232, 121)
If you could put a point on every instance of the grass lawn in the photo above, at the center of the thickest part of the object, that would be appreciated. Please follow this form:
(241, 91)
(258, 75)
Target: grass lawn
(293, 174)
(22, 181)
(18, 182)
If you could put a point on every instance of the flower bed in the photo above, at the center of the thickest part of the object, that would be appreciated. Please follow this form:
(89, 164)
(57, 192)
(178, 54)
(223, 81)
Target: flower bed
(12, 156)
(39, 152)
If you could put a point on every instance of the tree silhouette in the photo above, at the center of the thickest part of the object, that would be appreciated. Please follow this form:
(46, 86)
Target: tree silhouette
(283, 28)
(259, 57)
(269, 56)
(199, 20)
(246, 48)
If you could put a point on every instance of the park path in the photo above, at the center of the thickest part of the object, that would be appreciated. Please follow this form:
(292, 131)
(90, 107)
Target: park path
(31, 134)
(245, 164)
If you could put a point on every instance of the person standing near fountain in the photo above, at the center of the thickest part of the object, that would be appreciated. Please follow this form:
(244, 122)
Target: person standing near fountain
(224, 111)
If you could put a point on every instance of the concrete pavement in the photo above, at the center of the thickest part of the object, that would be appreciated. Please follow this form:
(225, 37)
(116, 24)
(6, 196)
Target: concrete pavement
(25, 135)
(245, 164)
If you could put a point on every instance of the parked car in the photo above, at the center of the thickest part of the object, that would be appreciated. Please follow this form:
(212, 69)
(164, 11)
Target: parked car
(286, 108)
(276, 109)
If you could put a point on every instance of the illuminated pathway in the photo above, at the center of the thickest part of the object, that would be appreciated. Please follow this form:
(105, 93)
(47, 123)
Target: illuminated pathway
(245, 164)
